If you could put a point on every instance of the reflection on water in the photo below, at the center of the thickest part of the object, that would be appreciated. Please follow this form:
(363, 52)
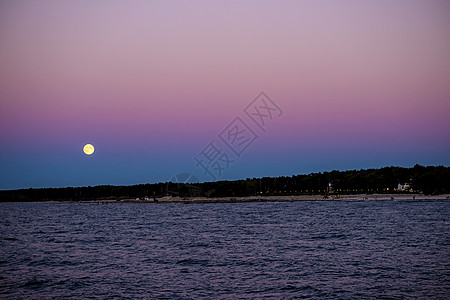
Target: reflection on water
(246, 250)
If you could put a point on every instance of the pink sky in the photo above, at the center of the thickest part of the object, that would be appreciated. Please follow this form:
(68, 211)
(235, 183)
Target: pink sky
(128, 74)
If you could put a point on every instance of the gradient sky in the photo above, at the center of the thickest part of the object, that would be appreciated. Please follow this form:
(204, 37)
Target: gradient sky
(362, 84)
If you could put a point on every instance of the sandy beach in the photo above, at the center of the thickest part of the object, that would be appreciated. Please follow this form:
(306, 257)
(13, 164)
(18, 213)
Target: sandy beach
(357, 197)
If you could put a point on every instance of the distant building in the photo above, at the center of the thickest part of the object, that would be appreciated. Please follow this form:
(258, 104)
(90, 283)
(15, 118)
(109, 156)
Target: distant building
(406, 187)
(330, 188)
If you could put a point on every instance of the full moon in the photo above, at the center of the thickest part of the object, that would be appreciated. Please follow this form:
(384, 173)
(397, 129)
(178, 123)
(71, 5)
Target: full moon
(88, 149)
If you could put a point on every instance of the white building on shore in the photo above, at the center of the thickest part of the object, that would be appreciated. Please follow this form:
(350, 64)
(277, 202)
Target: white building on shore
(406, 187)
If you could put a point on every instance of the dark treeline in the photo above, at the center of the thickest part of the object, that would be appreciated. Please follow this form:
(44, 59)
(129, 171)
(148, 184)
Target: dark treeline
(429, 180)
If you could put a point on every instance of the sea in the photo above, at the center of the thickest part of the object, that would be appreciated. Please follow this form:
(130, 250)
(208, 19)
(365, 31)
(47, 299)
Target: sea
(263, 250)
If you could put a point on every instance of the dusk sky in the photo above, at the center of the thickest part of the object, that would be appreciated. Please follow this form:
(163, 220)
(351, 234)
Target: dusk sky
(347, 85)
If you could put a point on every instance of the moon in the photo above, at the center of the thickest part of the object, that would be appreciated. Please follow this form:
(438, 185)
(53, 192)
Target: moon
(88, 149)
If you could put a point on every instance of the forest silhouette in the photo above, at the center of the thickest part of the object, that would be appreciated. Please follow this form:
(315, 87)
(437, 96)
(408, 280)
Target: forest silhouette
(429, 180)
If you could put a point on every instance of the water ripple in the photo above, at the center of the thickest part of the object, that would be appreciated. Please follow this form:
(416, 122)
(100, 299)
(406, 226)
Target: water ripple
(334, 250)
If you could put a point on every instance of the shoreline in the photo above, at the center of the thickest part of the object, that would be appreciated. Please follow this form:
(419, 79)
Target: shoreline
(358, 197)
(194, 200)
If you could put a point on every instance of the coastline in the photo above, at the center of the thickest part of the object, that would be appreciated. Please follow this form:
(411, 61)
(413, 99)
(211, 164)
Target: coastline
(193, 200)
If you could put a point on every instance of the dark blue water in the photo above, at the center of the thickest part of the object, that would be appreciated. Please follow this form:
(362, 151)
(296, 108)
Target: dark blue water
(335, 250)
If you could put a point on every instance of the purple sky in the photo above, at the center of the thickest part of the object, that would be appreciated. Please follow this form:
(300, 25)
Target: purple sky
(151, 83)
